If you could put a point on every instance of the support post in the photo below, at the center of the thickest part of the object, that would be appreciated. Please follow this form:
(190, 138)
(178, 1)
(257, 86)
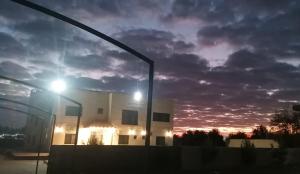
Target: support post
(39, 147)
(149, 104)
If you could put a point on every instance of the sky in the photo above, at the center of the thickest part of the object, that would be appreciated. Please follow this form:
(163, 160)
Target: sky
(226, 64)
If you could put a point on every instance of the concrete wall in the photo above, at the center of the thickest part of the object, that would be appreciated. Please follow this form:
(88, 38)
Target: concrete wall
(131, 159)
(101, 159)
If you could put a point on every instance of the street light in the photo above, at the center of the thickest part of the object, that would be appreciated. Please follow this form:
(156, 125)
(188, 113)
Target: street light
(137, 96)
(58, 86)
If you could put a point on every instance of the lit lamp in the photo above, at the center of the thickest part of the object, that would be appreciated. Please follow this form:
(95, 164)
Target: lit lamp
(131, 132)
(169, 134)
(137, 96)
(58, 86)
(59, 129)
(143, 132)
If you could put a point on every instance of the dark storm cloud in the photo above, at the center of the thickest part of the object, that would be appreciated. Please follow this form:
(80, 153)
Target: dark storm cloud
(152, 42)
(87, 62)
(221, 11)
(13, 70)
(118, 84)
(147, 41)
(45, 35)
(10, 47)
(171, 55)
(176, 65)
(244, 67)
(43, 28)
(101, 9)
(233, 87)
(247, 86)
(269, 27)
(246, 59)
(181, 46)
(13, 13)
(247, 78)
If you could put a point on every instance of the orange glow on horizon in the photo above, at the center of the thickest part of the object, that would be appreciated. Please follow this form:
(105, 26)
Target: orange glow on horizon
(225, 131)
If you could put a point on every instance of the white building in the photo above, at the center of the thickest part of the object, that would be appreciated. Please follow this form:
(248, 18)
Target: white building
(257, 143)
(108, 119)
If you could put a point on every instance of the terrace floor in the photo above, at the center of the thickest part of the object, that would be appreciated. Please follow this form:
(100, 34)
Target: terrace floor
(8, 166)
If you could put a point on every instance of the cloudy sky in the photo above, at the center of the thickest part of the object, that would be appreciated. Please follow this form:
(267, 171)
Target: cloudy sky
(227, 64)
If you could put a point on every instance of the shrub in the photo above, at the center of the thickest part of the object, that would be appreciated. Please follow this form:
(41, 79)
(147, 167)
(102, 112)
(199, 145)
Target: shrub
(248, 155)
(278, 156)
(209, 154)
(93, 140)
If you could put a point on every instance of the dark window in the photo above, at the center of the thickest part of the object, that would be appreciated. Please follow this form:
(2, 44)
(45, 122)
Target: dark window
(28, 139)
(36, 121)
(33, 140)
(70, 139)
(72, 111)
(160, 141)
(100, 111)
(130, 117)
(123, 139)
(296, 107)
(31, 119)
(162, 117)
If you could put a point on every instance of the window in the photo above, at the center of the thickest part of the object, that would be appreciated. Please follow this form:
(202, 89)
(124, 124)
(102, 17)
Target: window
(70, 139)
(130, 117)
(36, 121)
(123, 139)
(72, 111)
(162, 117)
(160, 141)
(33, 140)
(28, 139)
(100, 111)
(296, 107)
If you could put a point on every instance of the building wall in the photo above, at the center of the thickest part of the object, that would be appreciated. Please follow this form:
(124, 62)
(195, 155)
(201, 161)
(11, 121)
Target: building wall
(183, 159)
(258, 143)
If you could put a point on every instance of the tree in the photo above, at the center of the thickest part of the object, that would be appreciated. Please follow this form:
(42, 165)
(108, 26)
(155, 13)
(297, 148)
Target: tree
(238, 135)
(215, 138)
(285, 121)
(260, 132)
(93, 140)
(200, 138)
(194, 138)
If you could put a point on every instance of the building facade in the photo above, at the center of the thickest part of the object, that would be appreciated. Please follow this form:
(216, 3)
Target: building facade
(109, 119)
(257, 143)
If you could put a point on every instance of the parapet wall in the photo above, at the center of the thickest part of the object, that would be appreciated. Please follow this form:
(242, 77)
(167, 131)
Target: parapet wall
(133, 159)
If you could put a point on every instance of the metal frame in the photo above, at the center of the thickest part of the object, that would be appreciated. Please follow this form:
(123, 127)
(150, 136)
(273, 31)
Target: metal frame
(110, 40)
(42, 126)
(62, 96)
(24, 104)
(54, 121)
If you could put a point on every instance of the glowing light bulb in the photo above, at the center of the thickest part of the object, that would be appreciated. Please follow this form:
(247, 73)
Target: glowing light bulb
(58, 86)
(169, 134)
(143, 132)
(137, 96)
(131, 132)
